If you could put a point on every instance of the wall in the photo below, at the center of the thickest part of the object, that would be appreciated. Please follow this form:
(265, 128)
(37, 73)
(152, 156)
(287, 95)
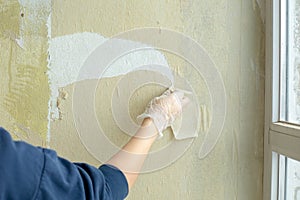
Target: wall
(24, 85)
(36, 89)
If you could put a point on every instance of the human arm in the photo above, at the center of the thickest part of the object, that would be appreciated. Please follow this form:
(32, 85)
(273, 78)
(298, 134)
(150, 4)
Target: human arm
(28, 172)
(160, 113)
(131, 157)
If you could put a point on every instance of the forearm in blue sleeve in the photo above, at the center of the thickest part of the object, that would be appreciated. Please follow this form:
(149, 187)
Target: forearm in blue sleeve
(29, 172)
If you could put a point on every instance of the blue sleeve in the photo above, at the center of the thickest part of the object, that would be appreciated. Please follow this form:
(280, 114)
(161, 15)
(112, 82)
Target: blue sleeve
(28, 172)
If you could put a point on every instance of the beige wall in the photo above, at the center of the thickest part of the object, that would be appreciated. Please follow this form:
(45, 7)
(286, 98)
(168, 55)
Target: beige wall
(230, 30)
(24, 85)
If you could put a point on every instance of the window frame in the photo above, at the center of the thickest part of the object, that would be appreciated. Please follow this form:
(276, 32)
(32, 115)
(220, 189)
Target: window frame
(280, 137)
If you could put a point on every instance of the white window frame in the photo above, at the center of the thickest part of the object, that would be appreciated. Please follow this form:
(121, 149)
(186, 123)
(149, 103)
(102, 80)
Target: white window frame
(280, 137)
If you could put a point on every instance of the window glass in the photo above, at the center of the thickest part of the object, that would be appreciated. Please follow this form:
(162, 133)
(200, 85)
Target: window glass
(292, 179)
(290, 61)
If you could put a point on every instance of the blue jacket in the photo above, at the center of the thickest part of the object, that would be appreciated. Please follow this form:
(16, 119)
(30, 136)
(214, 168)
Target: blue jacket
(28, 172)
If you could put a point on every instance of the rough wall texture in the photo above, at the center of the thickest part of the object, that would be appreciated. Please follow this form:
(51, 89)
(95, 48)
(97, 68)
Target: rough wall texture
(230, 30)
(24, 83)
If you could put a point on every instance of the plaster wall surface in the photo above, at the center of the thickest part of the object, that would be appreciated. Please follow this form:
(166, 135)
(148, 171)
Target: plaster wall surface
(232, 33)
(24, 85)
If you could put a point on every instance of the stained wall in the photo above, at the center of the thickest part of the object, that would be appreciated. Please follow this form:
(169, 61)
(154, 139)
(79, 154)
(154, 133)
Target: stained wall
(232, 33)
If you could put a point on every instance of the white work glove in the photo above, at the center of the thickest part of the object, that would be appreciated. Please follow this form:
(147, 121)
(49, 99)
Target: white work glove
(163, 110)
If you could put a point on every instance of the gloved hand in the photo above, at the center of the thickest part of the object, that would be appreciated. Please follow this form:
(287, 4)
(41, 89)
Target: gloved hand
(163, 110)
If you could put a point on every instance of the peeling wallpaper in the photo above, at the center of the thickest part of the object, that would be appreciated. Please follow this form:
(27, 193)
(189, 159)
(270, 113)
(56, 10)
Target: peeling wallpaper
(43, 42)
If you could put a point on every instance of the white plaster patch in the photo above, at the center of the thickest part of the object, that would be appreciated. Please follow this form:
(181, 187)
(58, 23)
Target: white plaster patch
(33, 2)
(48, 24)
(36, 13)
(49, 35)
(20, 42)
(68, 53)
